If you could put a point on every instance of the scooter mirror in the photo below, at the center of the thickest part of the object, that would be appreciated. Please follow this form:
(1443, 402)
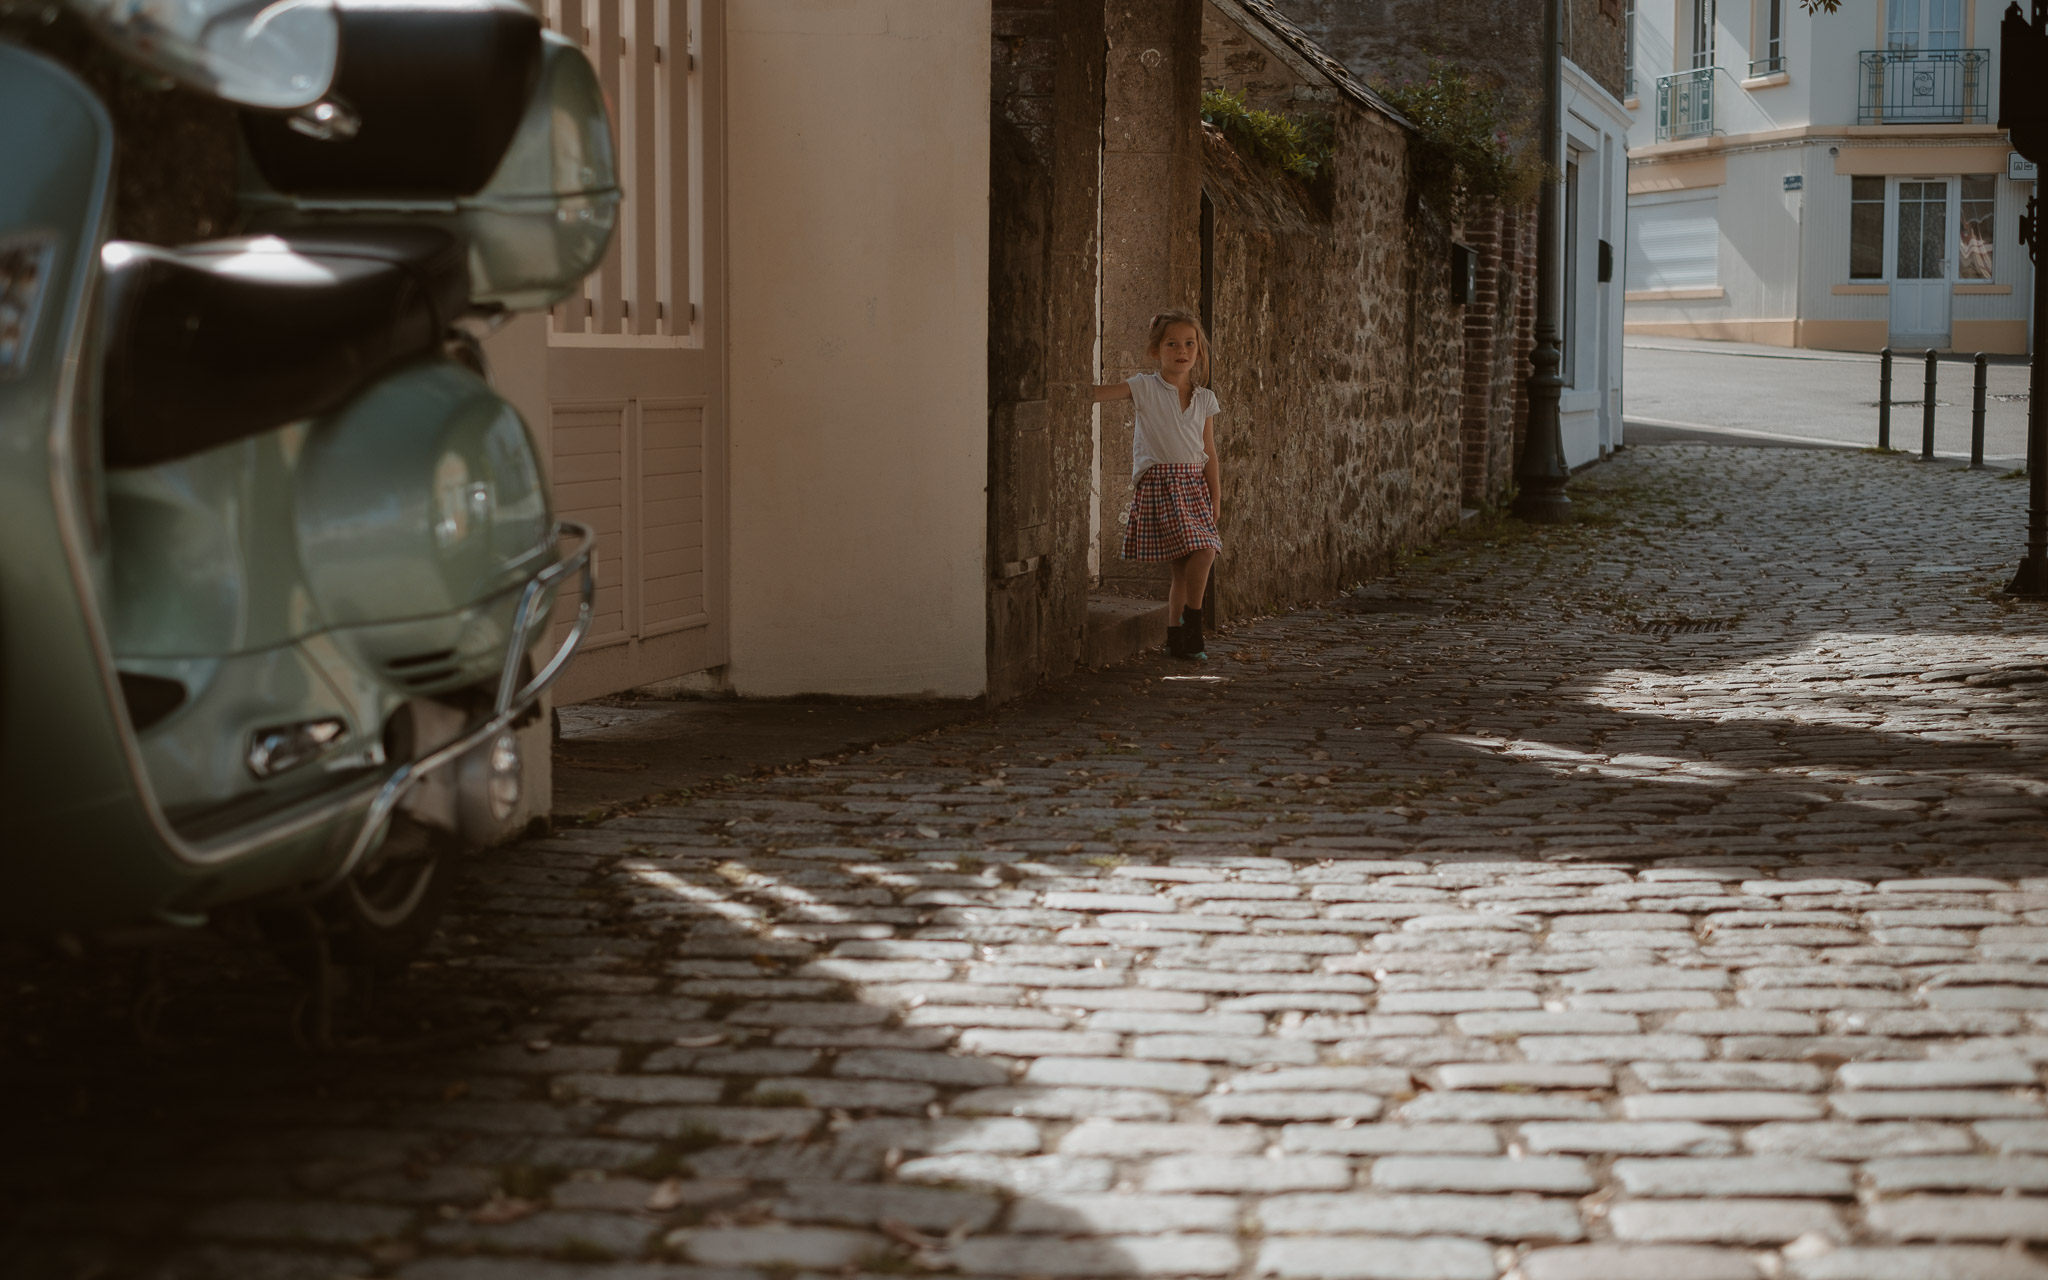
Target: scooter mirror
(277, 55)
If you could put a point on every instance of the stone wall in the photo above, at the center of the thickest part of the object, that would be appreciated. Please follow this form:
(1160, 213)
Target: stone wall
(1340, 357)
(1045, 122)
(174, 150)
(1151, 254)
(1499, 40)
(1339, 363)
(1497, 335)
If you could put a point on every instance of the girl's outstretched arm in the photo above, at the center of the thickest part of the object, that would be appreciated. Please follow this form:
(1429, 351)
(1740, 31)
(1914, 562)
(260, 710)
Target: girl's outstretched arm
(1112, 391)
(1212, 470)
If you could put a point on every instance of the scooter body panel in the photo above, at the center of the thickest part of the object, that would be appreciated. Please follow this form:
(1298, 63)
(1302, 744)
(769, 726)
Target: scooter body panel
(65, 781)
(195, 755)
(420, 498)
(84, 845)
(204, 555)
(328, 571)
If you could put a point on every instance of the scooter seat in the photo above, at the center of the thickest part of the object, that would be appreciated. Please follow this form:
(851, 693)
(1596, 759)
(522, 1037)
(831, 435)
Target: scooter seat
(213, 342)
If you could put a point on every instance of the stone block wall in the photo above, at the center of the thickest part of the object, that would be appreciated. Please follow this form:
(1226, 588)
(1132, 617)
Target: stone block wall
(1341, 359)
(1045, 120)
(1151, 254)
(174, 150)
(1339, 366)
(1500, 40)
(1497, 335)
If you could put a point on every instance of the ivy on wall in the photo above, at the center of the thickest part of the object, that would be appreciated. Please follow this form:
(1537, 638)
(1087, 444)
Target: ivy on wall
(1464, 148)
(1299, 145)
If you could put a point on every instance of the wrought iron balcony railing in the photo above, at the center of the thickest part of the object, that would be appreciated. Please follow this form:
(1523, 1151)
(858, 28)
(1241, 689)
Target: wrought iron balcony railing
(1685, 105)
(1766, 66)
(1924, 86)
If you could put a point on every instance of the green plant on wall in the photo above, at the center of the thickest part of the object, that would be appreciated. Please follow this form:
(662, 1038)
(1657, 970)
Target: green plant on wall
(1463, 150)
(1297, 145)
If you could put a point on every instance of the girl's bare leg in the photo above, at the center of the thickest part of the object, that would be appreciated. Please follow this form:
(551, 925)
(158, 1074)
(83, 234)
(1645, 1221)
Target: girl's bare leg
(1176, 593)
(1191, 577)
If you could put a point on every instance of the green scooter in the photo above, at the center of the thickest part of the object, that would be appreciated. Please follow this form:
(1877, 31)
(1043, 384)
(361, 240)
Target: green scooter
(276, 563)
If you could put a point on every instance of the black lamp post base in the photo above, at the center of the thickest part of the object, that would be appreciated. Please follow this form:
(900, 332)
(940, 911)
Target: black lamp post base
(1543, 502)
(2031, 582)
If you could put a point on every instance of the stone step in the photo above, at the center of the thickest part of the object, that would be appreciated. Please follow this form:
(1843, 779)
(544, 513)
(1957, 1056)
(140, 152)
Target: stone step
(1121, 627)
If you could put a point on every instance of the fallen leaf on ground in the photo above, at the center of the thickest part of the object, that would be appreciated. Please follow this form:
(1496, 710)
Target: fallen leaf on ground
(500, 1209)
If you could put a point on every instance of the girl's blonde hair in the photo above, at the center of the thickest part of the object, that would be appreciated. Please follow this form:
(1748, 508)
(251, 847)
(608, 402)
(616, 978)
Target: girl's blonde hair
(1166, 320)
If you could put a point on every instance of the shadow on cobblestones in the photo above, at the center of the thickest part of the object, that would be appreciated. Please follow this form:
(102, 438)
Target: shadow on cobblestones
(1662, 896)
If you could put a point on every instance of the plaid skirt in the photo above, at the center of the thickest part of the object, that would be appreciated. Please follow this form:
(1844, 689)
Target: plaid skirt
(1170, 514)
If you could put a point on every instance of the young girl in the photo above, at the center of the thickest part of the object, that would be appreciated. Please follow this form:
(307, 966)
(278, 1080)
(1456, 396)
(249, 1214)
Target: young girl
(1177, 490)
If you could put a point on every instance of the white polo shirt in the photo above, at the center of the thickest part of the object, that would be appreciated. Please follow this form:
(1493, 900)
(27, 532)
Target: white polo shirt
(1165, 431)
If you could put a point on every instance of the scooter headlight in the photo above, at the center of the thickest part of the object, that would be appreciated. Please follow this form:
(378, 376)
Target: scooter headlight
(24, 271)
(287, 746)
(487, 789)
(504, 775)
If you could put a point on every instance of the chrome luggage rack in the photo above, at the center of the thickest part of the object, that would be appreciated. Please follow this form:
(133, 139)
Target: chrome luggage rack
(513, 699)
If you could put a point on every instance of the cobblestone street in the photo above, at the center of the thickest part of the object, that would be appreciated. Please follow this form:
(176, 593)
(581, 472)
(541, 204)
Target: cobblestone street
(1659, 898)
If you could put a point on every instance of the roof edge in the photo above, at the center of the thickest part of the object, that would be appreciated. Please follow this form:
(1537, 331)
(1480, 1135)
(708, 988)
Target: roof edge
(1303, 55)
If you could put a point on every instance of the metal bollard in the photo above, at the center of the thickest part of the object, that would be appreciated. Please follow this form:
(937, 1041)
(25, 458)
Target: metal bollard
(1884, 398)
(1977, 416)
(1927, 414)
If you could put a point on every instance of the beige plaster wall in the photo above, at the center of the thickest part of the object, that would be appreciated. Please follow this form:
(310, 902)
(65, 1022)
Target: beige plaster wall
(858, 179)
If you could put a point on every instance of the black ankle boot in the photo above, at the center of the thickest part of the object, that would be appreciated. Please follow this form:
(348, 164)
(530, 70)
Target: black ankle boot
(1176, 639)
(1192, 645)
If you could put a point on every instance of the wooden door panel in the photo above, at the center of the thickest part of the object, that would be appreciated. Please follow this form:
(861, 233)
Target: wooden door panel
(590, 487)
(671, 515)
(635, 362)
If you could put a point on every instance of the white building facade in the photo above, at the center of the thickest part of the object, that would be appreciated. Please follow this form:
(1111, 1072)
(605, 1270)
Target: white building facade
(1830, 180)
(1595, 127)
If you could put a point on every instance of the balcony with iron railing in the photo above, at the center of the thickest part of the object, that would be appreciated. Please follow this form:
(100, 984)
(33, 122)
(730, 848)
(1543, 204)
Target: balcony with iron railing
(1924, 86)
(1685, 105)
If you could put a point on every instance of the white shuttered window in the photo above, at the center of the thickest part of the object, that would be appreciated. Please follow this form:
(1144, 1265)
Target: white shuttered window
(1675, 245)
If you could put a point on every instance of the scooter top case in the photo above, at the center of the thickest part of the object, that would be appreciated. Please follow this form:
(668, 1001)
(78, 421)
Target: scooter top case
(465, 115)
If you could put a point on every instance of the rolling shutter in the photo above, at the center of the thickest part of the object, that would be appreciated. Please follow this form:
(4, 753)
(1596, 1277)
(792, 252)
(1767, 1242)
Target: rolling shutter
(1675, 245)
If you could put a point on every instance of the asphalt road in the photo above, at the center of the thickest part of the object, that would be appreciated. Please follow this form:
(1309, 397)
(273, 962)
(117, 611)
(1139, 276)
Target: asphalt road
(1700, 390)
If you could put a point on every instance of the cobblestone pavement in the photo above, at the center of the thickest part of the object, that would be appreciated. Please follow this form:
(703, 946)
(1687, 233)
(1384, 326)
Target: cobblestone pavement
(1663, 898)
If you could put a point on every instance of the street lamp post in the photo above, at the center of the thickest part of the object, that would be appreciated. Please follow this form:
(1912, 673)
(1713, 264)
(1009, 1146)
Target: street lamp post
(2022, 113)
(1541, 474)
(2032, 578)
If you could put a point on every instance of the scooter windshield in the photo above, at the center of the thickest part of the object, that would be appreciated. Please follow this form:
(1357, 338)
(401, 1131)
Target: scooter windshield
(277, 54)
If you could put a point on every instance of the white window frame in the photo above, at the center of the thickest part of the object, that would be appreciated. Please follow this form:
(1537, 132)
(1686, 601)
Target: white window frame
(1917, 35)
(1952, 254)
(1768, 19)
(1888, 207)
